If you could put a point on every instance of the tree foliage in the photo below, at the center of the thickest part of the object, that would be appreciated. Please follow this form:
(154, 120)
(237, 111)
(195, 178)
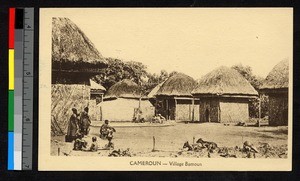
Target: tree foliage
(118, 70)
(256, 82)
(246, 71)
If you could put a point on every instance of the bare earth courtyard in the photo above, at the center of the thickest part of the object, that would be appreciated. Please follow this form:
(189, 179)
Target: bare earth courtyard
(169, 140)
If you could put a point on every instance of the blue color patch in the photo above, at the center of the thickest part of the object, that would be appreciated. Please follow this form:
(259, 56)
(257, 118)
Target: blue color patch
(10, 163)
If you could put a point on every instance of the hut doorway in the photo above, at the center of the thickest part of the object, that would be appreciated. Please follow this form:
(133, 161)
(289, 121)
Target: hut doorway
(207, 115)
(169, 109)
(285, 117)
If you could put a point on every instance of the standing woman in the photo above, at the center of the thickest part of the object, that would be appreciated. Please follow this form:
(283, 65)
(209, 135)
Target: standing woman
(73, 127)
(85, 122)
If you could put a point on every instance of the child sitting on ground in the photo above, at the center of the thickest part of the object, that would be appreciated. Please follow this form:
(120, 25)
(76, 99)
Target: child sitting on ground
(94, 145)
(91, 147)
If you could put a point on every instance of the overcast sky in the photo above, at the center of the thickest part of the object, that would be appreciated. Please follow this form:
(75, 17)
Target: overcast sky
(192, 41)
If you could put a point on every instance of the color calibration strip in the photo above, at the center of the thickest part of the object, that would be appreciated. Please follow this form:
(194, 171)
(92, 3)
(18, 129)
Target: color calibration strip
(20, 88)
(11, 81)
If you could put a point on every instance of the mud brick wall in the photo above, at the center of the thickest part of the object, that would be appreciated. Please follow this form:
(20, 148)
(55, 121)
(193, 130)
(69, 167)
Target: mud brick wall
(210, 104)
(184, 110)
(123, 109)
(278, 109)
(94, 110)
(66, 97)
(234, 112)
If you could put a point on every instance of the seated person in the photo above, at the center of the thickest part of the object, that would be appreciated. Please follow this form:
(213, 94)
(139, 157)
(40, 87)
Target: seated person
(105, 130)
(161, 118)
(79, 144)
(92, 146)
(155, 119)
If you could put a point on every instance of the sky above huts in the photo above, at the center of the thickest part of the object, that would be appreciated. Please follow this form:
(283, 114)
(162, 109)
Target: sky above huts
(193, 41)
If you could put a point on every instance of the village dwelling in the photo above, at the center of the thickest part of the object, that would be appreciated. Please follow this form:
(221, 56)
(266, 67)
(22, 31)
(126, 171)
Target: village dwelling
(122, 101)
(96, 97)
(74, 61)
(74, 57)
(174, 100)
(97, 91)
(224, 96)
(276, 86)
(152, 96)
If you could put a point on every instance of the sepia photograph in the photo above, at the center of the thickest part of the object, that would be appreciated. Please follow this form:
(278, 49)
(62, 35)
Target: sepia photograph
(165, 89)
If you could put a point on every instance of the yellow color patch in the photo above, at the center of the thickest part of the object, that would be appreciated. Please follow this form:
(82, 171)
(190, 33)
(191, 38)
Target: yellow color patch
(11, 69)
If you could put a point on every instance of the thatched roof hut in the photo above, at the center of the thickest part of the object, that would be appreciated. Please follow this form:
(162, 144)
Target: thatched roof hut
(174, 99)
(276, 87)
(122, 101)
(124, 89)
(224, 96)
(278, 78)
(153, 92)
(177, 85)
(96, 86)
(224, 81)
(73, 54)
(97, 91)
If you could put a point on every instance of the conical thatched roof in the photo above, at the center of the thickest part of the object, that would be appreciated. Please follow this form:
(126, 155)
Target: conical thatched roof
(125, 88)
(70, 44)
(154, 90)
(278, 78)
(177, 85)
(224, 81)
(95, 85)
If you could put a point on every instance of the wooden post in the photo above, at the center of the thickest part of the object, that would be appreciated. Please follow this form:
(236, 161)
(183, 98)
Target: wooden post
(153, 144)
(139, 109)
(167, 109)
(199, 111)
(100, 107)
(58, 151)
(175, 115)
(219, 114)
(190, 112)
(155, 110)
(259, 111)
(193, 109)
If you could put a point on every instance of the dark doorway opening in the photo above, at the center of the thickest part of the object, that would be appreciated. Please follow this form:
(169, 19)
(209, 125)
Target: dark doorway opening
(285, 116)
(207, 115)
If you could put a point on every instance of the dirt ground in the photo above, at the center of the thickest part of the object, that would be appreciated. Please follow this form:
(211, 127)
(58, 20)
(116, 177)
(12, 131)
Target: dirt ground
(169, 140)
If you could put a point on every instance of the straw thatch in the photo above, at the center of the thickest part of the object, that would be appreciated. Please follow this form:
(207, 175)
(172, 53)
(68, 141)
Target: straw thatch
(224, 81)
(153, 92)
(72, 48)
(96, 86)
(177, 85)
(125, 88)
(278, 78)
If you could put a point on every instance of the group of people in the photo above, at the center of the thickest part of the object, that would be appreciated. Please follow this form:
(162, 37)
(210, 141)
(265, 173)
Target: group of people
(79, 124)
(79, 127)
(139, 118)
(158, 119)
(106, 132)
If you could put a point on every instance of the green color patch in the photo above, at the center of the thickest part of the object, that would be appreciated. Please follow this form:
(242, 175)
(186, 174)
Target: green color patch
(11, 110)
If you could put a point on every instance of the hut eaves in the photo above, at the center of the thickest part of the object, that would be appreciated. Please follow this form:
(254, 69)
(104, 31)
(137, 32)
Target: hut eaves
(224, 81)
(278, 78)
(123, 89)
(70, 44)
(96, 86)
(179, 85)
